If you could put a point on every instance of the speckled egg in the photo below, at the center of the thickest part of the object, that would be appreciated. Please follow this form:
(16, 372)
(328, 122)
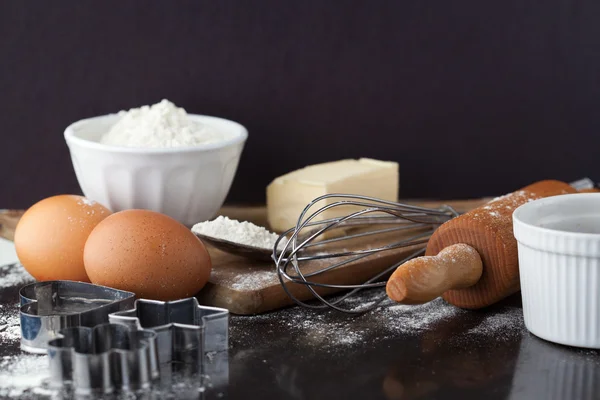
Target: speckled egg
(51, 235)
(147, 253)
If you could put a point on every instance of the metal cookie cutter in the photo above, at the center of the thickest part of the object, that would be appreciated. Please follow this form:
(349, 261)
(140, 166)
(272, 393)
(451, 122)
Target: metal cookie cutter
(187, 332)
(48, 307)
(104, 358)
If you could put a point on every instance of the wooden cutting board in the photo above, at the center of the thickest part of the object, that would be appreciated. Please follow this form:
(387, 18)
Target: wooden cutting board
(250, 287)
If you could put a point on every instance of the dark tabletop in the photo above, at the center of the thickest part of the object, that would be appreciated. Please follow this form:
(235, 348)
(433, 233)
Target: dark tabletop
(395, 352)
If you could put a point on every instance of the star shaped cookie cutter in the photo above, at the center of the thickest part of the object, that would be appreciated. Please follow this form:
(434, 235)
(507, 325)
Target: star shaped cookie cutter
(104, 358)
(186, 331)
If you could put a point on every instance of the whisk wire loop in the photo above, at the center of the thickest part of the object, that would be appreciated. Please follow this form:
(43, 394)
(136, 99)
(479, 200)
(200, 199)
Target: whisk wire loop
(309, 243)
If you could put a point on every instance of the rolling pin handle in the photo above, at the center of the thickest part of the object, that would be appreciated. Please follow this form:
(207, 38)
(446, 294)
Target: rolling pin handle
(425, 278)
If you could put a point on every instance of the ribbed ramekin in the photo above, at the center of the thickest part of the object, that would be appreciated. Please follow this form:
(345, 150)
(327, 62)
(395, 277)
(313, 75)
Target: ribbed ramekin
(187, 183)
(559, 265)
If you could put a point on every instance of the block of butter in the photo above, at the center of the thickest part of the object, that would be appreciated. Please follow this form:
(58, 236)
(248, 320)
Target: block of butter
(289, 194)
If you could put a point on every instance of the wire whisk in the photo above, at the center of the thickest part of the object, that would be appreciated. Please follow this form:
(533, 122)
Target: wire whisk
(368, 219)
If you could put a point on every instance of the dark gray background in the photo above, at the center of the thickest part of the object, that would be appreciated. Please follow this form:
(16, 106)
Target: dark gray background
(472, 98)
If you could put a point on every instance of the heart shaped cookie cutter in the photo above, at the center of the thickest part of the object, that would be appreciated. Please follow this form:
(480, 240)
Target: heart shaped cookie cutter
(51, 306)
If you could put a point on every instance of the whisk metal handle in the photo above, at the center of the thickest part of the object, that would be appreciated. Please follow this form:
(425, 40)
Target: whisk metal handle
(425, 278)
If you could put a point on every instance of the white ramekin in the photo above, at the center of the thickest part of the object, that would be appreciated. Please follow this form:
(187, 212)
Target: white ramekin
(187, 183)
(559, 264)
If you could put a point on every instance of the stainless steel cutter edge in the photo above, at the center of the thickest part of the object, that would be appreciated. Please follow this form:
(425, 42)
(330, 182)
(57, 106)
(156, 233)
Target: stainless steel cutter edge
(41, 324)
(104, 358)
(187, 331)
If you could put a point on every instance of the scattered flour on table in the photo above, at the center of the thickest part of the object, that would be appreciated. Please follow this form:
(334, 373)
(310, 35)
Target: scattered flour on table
(330, 330)
(21, 374)
(14, 275)
(160, 125)
(239, 232)
(510, 322)
(10, 325)
(24, 373)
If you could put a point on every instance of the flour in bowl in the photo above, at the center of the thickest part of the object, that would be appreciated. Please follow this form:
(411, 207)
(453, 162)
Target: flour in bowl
(160, 125)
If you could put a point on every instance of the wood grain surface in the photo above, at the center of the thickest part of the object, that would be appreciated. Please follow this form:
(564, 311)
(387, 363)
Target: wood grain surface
(249, 287)
(8, 223)
(424, 279)
(489, 230)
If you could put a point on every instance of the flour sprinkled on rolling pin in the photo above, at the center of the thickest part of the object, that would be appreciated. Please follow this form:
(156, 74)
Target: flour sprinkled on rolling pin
(471, 261)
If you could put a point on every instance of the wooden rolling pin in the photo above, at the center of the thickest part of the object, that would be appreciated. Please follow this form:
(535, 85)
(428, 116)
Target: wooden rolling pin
(471, 261)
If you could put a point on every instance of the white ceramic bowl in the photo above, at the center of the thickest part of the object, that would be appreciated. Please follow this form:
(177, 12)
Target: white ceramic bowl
(187, 183)
(559, 264)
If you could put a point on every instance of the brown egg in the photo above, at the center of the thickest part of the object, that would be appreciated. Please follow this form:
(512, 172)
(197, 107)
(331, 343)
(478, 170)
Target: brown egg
(51, 235)
(147, 253)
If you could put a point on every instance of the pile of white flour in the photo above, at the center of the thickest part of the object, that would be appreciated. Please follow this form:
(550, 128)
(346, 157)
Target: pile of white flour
(160, 125)
(238, 232)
